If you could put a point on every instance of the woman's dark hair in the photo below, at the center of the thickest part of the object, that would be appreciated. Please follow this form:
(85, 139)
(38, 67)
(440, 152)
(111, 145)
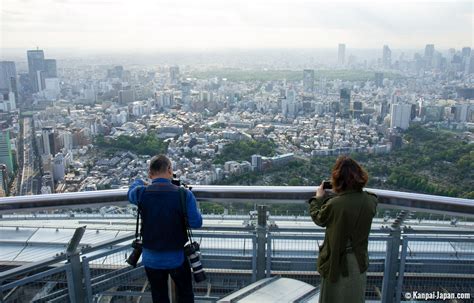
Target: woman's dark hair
(347, 174)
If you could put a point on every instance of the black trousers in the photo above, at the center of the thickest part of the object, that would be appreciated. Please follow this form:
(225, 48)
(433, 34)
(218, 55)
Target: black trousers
(181, 276)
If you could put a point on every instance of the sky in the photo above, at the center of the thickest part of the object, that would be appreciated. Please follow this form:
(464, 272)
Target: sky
(237, 24)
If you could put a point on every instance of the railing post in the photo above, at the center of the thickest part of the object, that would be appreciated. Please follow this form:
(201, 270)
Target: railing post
(76, 277)
(389, 282)
(87, 279)
(254, 257)
(261, 241)
(269, 255)
(401, 271)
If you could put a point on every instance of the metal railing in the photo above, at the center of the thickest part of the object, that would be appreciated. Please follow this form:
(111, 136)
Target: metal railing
(214, 193)
(400, 259)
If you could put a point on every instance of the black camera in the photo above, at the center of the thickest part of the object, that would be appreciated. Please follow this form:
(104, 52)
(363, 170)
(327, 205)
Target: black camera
(327, 185)
(178, 182)
(192, 252)
(136, 253)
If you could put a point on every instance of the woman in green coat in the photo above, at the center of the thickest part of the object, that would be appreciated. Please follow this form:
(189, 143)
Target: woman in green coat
(347, 215)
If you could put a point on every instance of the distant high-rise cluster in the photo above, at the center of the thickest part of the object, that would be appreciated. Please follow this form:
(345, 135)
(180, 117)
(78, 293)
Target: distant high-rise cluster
(43, 75)
(361, 103)
(36, 69)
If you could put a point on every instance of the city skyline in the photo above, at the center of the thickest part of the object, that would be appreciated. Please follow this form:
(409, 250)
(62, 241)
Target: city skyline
(184, 25)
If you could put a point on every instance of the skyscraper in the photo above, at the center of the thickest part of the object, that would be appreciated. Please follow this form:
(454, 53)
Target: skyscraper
(379, 79)
(429, 50)
(59, 167)
(49, 147)
(341, 54)
(66, 138)
(466, 51)
(387, 57)
(7, 76)
(126, 96)
(50, 68)
(174, 74)
(288, 104)
(308, 81)
(36, 69)
(466, 57)
(6, 150)
(345, 101)
(357, 109)
(400, 115)
(429, 53)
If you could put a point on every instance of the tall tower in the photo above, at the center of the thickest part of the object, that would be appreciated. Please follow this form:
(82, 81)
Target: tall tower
(308, 81)
(341, 54)
(387, 57)
(50, 68)
(36, 69)
(429, 54)
(379, 79)
(174, 74)
(7, 76)
(400, 116)
(59, 167)
(288, 104)
(345, 100)
(48, 141)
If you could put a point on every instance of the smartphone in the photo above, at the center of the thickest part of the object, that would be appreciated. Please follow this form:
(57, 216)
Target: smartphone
(327, 185)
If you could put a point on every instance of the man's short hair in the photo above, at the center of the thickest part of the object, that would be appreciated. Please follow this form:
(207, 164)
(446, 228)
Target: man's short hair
(159, 164)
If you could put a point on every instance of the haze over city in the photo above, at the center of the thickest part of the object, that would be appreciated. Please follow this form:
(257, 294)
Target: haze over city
(183, 25)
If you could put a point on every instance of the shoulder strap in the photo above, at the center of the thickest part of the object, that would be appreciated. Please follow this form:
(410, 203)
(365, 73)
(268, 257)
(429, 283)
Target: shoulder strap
(138, 234)
(182, 198)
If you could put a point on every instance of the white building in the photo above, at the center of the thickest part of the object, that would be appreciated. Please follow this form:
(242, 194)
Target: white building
(52, 89)
(59, 167)
(400, 116)
(8, 105)
(66, 138)
(257, 162)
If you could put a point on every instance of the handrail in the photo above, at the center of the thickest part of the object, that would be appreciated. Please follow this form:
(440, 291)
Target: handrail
(216, 193)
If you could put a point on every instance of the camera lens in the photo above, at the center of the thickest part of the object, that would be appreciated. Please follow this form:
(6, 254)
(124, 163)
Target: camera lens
(193, 254)
(136, 253)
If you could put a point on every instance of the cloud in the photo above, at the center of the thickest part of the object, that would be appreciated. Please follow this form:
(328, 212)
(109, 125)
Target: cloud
(232, 23)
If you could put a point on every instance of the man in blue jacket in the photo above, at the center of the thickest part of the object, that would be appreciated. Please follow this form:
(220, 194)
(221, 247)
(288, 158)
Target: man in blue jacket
(163, 230)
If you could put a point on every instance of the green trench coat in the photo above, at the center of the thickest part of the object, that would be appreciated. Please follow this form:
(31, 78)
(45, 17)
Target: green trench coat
(343, 257)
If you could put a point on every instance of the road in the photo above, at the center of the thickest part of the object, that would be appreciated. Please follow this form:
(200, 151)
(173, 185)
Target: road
(28, 170)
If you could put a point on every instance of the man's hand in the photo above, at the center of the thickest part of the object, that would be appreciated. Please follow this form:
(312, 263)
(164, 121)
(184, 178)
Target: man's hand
(320, 192)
